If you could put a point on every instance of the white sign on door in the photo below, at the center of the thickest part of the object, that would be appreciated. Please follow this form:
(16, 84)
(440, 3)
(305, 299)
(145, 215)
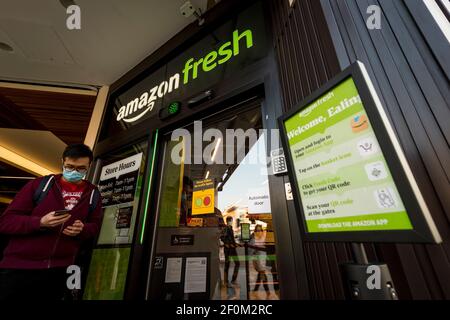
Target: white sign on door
(121, 167)
(258, 200)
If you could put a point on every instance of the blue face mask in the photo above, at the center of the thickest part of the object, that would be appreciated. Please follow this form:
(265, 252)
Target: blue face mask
(72, 176)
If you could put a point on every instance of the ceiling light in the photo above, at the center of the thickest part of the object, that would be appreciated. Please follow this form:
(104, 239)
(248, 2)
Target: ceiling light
(19, 161)
(6, 47)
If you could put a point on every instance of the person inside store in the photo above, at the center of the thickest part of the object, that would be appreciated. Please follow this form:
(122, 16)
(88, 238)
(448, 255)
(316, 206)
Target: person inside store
(230, 252)
(258, 248)
(186, 202)
(46, 224)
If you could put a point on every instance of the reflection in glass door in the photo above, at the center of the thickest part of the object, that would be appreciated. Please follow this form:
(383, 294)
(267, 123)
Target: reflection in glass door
(214, 236)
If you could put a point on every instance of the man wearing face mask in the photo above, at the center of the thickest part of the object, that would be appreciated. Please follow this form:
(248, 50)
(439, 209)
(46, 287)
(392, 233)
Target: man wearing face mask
(42, 243)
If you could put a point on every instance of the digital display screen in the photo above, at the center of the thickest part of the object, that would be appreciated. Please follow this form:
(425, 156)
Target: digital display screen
(344, 181)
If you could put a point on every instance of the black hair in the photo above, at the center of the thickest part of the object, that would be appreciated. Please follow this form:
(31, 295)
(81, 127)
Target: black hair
(76, 151)
(229, 218)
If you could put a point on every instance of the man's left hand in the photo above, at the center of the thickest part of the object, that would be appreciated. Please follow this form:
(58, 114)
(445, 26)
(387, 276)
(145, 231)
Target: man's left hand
(74, 229)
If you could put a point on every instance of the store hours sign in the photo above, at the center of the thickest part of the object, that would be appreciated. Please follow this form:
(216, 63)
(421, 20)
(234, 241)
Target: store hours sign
(351, 176)
(118, 180)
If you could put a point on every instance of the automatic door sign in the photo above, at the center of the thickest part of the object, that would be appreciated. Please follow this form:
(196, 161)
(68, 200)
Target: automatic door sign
(348, 169)
(258, 200)
(203, 197)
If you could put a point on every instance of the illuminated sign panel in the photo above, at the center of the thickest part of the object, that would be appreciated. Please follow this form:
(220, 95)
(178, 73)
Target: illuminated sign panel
(221, 54)
(139, 106)
(351, 177)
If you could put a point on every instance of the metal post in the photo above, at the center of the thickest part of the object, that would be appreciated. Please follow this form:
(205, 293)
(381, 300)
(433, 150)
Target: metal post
(247, 276)
(356, 277)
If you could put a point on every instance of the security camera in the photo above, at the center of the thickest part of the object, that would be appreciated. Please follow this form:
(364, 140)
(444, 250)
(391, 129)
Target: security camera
(188, 9)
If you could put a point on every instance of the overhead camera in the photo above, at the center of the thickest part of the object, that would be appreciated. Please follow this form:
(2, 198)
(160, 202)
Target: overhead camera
(188, 10)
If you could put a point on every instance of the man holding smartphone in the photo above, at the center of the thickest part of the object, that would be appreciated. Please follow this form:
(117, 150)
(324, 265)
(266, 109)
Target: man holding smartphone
(44, 237)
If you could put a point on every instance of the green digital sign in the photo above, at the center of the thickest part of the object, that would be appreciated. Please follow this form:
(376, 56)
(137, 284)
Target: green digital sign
(345, 183)
(245, 231)
(174, 108)
(350, 174)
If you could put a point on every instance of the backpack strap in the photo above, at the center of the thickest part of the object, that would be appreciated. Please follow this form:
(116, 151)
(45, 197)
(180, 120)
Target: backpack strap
(93, 200)
(44, 187)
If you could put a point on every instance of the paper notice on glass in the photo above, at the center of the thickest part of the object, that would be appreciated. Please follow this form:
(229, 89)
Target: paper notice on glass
(173, 270)
(121, 240)
(195, 276)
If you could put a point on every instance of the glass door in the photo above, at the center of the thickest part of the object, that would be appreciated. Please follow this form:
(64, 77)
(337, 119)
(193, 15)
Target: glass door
(214, 236)
(120, 182)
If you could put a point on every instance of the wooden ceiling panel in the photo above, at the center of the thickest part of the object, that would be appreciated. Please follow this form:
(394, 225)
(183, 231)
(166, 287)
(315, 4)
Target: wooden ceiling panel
(67, 115)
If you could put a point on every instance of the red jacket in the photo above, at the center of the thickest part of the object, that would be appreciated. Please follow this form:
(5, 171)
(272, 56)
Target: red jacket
(33, 247)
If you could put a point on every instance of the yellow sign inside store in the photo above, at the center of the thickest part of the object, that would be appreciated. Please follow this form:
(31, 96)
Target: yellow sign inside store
(203, 199)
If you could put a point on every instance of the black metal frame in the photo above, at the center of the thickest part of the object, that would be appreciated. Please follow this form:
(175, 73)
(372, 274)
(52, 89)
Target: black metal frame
(424, 230)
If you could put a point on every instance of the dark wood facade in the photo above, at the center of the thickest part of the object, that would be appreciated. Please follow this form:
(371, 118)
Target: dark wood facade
(409, 65)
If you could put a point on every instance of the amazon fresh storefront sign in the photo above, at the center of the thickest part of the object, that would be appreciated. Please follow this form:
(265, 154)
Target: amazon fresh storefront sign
(136, 108)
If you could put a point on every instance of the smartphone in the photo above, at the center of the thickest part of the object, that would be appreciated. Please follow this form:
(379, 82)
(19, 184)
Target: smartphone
(61, 212)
